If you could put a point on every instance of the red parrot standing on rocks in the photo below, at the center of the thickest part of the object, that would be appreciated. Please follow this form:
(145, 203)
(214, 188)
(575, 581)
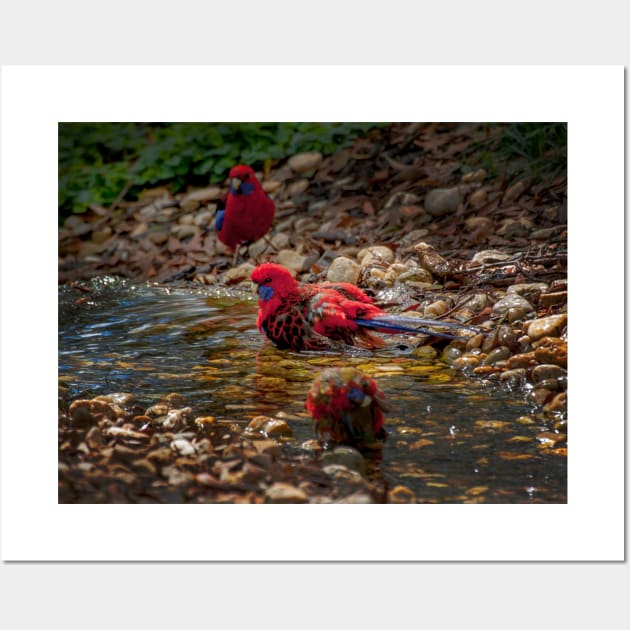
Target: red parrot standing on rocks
(248, 213)
(347, 406)
(298, 316)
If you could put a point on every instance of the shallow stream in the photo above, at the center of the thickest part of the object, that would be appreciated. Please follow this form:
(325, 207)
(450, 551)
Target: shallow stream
(451, 438)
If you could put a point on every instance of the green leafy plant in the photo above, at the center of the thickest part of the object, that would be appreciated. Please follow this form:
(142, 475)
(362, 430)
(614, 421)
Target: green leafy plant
(99, 160)
(536, 149)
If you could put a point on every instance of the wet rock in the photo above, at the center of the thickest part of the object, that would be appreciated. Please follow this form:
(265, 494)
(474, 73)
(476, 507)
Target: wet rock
(430, 259)
(343, 269)
(474, 342)
(238, 274)
(119, 398)
(498, 354)
(175, 419)
(539, 396)
(312, 445)
(277, 428)
(290, 259)
(177, 477)
(161, 455)
(441, 201)
(174, 400)
(280, 492)
(304, 162)
(346, 456)
(512, 300)
(548, 383)
(525, 360)
(435, 309)
(450, 354)
(490, 372)
(552, 350)
(467, 361)
(516, 314)
(401, 494)
(546, 326)
(530, 291)
(157, 410)
(547, 371)
(377, 255)
(123, 432)
(514, 377)
(427, 353)
(84, 412)
(416, 275)
(342, 473)
(557, 404)
(356, 498)
(269, 447)
(507, 336)
(553, 299)
(183, 447)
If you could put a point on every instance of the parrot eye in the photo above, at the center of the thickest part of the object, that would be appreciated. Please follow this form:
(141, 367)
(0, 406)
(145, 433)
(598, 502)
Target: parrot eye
(246, 176)
(267, 280)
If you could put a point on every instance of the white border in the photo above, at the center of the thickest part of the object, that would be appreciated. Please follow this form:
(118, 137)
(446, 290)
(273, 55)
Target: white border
(35, 527)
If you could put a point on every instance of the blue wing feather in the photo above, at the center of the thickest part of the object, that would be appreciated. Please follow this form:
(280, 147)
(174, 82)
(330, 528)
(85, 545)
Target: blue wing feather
(411, 325)
(218, 219)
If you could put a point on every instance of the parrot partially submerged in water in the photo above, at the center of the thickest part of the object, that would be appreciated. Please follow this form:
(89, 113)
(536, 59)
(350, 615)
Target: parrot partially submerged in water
(299, 316)
(347, 407)
(248, 212)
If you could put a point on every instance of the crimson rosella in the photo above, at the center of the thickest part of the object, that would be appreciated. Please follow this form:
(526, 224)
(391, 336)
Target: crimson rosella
(347, 406)
(248, 212)
(299, 316)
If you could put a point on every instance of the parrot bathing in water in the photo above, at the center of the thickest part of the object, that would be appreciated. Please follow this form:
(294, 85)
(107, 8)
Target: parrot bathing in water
(347, 406)
(248, 212)
(299, 316)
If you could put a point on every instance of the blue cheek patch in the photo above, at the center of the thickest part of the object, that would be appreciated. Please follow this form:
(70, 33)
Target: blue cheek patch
(356, 395)
(265, 292)
(246, 188)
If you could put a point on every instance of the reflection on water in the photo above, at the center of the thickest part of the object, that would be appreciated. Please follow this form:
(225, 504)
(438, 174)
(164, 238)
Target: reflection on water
(450, 438)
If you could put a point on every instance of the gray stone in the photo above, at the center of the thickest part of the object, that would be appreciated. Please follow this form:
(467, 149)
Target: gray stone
(343, 269)
(441, 201)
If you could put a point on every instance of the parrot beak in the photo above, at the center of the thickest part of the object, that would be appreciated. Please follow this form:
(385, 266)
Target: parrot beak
(235, 183)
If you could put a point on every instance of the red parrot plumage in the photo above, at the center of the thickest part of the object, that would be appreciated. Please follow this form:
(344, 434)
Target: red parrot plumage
(299, 316)
(347, 407)
(248, 212)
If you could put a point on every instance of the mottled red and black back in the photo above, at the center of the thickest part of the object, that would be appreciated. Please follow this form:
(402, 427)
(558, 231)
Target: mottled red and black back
(350, 291)
(313, 316)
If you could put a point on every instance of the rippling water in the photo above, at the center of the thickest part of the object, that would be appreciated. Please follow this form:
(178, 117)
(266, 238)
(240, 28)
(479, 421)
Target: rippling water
(450, 438)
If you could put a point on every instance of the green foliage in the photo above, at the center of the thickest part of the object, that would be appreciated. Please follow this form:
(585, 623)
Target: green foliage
(98, 160)
(537, 149)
